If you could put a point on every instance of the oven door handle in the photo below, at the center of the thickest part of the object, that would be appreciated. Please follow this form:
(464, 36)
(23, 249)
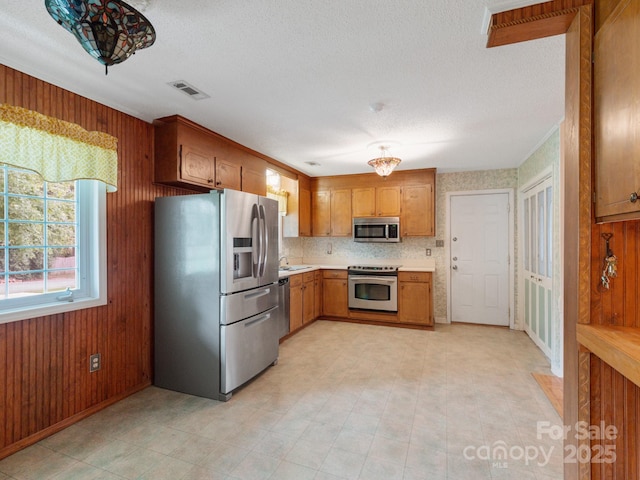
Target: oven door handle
(361, 279)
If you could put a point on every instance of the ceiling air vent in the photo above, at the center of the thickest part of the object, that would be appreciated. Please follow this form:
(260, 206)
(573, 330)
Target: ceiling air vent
(189, 90)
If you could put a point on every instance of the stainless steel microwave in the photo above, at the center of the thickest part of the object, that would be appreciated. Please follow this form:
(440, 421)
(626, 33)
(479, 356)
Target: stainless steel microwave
(376, 229)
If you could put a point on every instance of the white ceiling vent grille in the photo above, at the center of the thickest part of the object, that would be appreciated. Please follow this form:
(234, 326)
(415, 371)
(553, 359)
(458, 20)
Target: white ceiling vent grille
(189, 90)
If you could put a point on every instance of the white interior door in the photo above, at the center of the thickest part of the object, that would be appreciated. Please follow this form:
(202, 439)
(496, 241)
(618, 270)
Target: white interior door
(537, 263)
(479, 249)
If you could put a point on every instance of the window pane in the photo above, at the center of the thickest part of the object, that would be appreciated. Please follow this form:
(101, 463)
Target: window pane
(60, 211)
(26, 259)
(61, 235)
(26, 234)
(21, 208)
(26, 285)
(541, 235)
(26, 183)
(61, 258)
(64, 190)
(526, 234)
(549, 231)
(532, 235)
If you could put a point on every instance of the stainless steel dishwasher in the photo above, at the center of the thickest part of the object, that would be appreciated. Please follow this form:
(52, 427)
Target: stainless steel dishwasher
(283, 307)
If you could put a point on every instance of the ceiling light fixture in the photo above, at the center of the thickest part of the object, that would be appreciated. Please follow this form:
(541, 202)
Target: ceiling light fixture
(384, 165)
(109, 30)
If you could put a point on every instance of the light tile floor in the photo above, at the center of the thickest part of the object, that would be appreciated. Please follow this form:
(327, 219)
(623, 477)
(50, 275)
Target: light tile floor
(345, 401)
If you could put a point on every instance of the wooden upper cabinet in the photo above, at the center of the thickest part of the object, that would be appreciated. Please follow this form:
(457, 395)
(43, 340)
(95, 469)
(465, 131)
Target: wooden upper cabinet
(321, 214)
(617, 114)
(376, 201)
(331, 213)
(417, 210)
(254, 174)
(364, 202)
(304, 212)
(388, 201)
(196, 166)
(341, 218)
(227, 174)
(188, 155)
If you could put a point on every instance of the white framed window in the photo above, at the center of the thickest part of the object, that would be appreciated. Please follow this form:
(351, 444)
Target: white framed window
(52, 245)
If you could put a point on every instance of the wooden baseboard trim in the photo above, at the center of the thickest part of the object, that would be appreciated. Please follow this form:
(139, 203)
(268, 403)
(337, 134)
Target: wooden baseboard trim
(382, 324)
(36, 437)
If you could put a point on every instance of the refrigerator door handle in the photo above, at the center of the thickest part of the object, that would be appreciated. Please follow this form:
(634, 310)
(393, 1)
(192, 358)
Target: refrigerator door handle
(264, 244)
(256, 253)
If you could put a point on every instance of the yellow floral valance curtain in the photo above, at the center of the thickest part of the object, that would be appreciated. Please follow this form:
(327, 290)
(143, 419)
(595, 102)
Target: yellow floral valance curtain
(59, 151)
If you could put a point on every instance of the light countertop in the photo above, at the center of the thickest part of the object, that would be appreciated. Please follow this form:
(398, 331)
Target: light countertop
(311, 268)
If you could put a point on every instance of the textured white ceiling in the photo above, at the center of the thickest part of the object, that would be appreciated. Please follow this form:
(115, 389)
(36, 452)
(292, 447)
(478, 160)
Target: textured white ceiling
(295, 79)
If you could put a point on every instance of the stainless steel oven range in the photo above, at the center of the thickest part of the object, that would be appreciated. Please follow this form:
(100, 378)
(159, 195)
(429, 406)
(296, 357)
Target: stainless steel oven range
(373, 287)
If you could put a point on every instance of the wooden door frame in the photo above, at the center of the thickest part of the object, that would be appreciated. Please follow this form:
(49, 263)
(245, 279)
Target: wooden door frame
(511, 240)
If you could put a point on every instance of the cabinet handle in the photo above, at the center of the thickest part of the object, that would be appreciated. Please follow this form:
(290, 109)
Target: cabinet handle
(210, 180)
(218, 183)
(633, 198)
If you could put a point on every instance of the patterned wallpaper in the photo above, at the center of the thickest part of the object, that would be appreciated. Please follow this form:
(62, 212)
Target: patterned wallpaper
(411, 250)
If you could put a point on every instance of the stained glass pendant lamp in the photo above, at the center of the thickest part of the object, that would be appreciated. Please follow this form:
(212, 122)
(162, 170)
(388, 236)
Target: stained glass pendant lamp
(109, 30)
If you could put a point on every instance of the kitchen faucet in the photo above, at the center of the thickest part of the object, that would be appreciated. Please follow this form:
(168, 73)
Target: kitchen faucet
(280, 260)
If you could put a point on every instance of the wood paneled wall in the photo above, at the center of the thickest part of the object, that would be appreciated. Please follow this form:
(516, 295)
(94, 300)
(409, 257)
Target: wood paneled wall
(615, 400)
(44, 362)
(620, 305)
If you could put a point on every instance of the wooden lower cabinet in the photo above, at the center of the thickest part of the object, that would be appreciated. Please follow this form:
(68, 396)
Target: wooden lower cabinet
(415, 303)
(317, 304)
(308, 297)
(295, 302)
(302, 297)
(335, 300)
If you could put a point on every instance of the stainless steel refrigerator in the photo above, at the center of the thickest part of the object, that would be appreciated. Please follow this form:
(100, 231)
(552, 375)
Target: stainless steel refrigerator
(216, 291)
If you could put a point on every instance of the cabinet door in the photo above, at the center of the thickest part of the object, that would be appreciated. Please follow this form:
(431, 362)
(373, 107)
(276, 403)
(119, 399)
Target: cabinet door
(227, 174)
(196, 166)
(295, 302)
(388, 201)
(254, 181)
(335, 302)
(317, 302)
(341, 218)
(417, 210)
(364, 202)
(414, 303)
(321, 213)
(304, 212)
(617, 113)
(308, 299)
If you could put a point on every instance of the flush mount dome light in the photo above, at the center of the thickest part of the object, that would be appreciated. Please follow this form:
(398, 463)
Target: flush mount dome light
(109, 30)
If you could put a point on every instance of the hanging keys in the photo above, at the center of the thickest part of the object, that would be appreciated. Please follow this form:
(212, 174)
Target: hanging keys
(610, 269)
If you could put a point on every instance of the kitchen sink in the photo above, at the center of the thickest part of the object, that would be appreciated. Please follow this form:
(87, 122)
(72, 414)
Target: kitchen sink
(291, 268)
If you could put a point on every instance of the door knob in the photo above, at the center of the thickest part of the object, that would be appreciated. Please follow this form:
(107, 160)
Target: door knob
(455, 267)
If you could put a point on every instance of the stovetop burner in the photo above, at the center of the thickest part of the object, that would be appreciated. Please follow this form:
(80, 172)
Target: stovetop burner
(373, 269)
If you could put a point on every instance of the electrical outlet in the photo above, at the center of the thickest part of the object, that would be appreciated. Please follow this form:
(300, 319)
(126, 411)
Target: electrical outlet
(428, 252)
(95, 362)
(439, 243)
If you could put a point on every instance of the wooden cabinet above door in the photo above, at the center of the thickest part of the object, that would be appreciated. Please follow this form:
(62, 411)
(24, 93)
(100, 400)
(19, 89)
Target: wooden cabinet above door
(617, 114)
